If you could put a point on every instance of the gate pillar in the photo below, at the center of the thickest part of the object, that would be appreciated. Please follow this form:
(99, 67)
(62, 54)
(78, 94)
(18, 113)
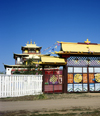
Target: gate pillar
(64, 83)
(43, 78)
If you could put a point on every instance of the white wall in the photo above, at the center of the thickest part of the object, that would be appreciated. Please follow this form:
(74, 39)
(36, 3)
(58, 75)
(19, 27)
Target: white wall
(8, 71)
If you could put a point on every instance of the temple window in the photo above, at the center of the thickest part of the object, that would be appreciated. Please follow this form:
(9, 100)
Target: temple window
(32, 51)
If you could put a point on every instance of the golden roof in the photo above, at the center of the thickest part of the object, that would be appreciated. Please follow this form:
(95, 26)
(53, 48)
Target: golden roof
(31, 45)
(86, 47)
(50, 60)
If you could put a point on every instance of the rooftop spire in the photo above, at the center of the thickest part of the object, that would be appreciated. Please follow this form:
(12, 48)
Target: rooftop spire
(31, 42)
(87, 41)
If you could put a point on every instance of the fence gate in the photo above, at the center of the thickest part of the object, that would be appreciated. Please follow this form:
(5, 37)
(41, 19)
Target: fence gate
(53, 81)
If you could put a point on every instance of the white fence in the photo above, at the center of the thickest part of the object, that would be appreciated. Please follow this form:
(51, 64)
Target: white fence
(20, 85)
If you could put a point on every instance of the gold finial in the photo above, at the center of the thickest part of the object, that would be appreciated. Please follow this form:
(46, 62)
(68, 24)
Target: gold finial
(87, 41)
(28, 42)
(34, 42)
(31, 42)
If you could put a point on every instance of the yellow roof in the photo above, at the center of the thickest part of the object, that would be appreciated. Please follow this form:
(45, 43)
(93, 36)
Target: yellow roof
(51, 60)
(80, 47)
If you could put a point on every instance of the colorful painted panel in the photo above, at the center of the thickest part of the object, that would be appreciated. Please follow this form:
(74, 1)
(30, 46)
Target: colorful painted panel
(77, 87)
(70, 88)
(85, 88)
(91, 78)
(91, 87)
(97, 78)
(97, 86)
(70, 78)
(77, 78)
(84, 78)
(60, 79)
(53, 79)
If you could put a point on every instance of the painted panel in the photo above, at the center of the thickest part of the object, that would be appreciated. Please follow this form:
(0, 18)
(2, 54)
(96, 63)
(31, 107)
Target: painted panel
(90, 69)
(97, 78)
(77, 87)
(70, 88)
(84, 69)
(91, 86)
(97, 86)
(97, 70)
(84, 78)
(85, 88)
(70, 78)
(91, 78)
(60, 79)
(77, 69)
(77, 78)
(53, 79)
(70, 69)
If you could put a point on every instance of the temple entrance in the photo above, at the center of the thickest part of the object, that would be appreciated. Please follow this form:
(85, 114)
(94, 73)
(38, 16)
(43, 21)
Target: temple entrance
(83, 74)
(53, 81)
(83, 79)
(77, 80)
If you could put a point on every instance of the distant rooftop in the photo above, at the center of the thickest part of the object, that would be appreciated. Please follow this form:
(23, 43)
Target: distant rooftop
(30, 45)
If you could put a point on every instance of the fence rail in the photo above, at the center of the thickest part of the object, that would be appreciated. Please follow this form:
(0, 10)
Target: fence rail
(20, 85)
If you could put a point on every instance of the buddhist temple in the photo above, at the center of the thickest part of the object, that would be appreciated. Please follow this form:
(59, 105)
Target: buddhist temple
(31, 50)
(80, 62)
(81, 68)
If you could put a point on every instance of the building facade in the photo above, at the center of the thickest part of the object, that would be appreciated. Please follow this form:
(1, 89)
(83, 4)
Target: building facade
(30, 51)
(81, 69)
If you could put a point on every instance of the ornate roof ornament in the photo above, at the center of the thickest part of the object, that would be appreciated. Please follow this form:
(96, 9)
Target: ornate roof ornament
(87, 41)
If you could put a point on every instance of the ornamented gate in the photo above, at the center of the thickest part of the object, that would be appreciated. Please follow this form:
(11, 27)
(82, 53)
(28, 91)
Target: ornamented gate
(53, 81)
(83, 74)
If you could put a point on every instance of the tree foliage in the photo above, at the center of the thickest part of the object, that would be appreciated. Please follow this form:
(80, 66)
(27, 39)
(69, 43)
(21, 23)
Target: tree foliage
(31, 68)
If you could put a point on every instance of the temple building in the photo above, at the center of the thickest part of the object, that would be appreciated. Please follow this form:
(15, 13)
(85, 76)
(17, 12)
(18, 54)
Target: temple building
(81, 68)
(29, 51)
(80, 62)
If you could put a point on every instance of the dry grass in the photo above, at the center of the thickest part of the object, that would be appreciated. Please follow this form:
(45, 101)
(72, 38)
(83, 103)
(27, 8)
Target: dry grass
(51, 96)
(70, 112)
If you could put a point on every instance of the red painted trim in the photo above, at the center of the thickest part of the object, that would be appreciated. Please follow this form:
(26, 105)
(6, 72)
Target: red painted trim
(88, 44)
(65, 56)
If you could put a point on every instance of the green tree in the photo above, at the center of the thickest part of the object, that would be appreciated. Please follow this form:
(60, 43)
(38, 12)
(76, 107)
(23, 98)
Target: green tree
(32, 68)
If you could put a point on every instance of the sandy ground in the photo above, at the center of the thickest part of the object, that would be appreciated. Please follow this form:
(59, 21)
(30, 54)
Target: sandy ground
(57, 104)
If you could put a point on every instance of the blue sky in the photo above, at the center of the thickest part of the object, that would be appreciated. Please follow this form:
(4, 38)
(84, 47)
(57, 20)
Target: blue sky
(45, 22)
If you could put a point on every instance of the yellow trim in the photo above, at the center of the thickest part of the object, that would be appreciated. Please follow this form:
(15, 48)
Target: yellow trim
(84, 53)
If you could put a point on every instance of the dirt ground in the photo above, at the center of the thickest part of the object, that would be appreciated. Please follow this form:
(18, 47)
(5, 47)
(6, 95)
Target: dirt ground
(85, 101)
